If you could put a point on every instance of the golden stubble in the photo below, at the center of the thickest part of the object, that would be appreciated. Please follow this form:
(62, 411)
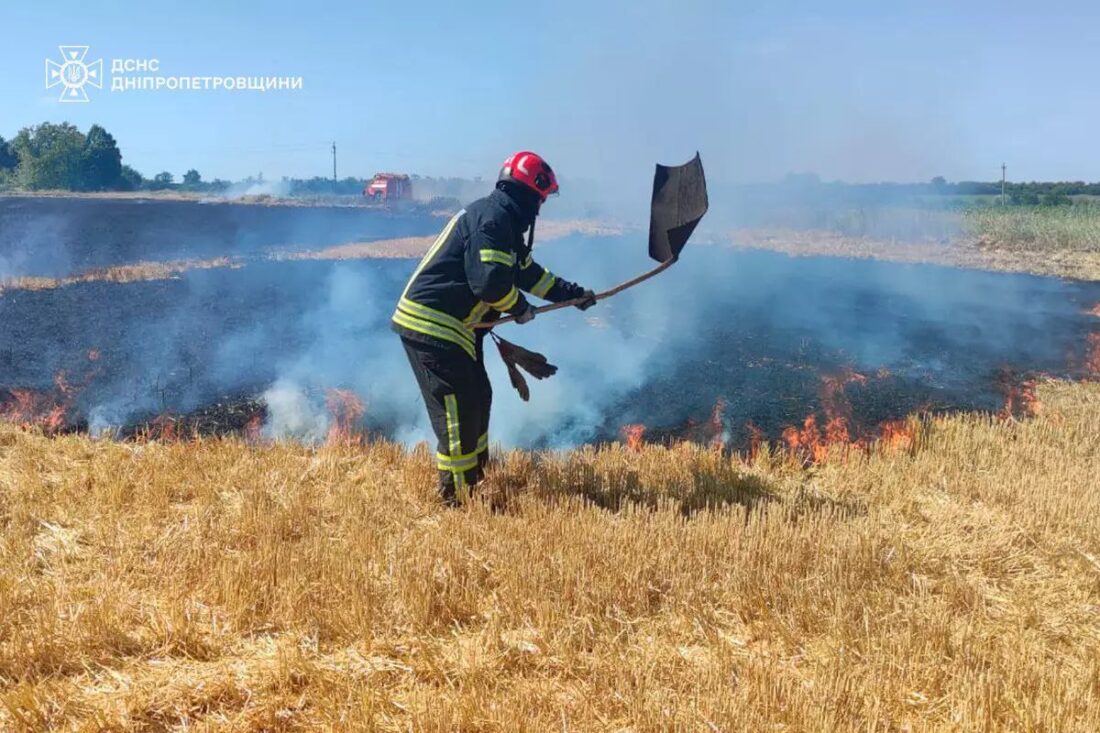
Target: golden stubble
(214, 585)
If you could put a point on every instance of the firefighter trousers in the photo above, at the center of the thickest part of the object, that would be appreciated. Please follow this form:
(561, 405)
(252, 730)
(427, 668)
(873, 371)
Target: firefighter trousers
(458, 396)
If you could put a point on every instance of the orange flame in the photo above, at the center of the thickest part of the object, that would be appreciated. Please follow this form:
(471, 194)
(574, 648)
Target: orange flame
(163, 428)
(806, 440)
(833, 399)
(46, 410)
(1094, 311)
(253, 430)
(756, 439)
(716, 425)
(633, 436)
(30, 409)
(1092, 353)
(813, 442)
(836, 430)
(1020, 398)
(61, 381)
(896, 435)
(345, 408)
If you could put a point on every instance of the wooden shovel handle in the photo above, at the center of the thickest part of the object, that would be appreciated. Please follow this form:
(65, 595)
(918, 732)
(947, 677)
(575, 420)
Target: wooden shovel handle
(599, 296)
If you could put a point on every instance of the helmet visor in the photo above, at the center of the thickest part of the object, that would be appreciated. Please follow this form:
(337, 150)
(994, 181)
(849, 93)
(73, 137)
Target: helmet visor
(546, 182)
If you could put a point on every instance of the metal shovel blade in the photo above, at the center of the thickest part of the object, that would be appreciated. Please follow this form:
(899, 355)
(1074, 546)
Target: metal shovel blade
(679, 202)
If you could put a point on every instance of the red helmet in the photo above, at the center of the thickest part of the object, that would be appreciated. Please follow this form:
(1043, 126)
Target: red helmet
(530, 170)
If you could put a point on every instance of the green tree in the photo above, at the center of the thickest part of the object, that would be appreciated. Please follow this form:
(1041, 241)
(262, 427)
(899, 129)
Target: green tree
(130, 179)
(8, 159)
(101, 162)
(192, 180)
(8, 164)
(49, 156)
(162, 181)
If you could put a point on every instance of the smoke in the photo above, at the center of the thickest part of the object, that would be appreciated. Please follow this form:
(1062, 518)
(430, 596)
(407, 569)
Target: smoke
(603, 355)
(37, 243)
(754, 328)
(291, 414)
(427, 189)
(242, 189)
(350, 346)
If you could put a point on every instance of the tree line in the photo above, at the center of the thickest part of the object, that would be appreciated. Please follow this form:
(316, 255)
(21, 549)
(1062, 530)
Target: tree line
(807, 189)
(942, 187)
(58, 156)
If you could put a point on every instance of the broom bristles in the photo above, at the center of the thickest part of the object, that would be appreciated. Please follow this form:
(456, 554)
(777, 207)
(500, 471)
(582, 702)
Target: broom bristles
(516, 357)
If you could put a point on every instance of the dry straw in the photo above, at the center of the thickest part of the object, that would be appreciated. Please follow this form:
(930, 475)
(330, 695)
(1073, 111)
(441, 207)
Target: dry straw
(213, 585)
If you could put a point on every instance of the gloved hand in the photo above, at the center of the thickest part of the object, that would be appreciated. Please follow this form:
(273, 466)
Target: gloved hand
(589, 300)
(526, 316)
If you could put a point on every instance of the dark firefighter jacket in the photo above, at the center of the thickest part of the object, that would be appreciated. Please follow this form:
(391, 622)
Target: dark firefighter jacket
(474, 271)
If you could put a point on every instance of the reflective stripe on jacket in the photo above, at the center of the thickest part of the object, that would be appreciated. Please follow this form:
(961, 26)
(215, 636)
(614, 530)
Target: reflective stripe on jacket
(474, 271)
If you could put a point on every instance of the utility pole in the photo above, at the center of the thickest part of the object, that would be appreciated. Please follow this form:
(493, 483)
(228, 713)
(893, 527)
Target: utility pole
(334, 166)
(1003, 169)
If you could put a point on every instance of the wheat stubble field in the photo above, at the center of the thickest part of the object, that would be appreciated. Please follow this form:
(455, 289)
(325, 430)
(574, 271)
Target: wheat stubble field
(947, 580)
(947, 583)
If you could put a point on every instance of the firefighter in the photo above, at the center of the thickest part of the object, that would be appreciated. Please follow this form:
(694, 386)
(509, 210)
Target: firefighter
(475, 270)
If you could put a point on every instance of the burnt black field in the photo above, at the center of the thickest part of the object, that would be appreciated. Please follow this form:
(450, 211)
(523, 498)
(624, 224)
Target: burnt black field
(54, 237)
(757, 329)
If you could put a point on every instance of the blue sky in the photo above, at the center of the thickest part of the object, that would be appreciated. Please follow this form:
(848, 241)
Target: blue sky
(862, 91)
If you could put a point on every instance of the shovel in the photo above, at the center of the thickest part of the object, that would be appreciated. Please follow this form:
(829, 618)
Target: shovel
(679, 202)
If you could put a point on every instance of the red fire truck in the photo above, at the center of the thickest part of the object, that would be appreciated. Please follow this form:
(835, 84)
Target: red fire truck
(389, 187)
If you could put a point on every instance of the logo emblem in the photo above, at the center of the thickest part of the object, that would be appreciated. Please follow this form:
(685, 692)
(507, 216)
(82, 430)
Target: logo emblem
(73, 74)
